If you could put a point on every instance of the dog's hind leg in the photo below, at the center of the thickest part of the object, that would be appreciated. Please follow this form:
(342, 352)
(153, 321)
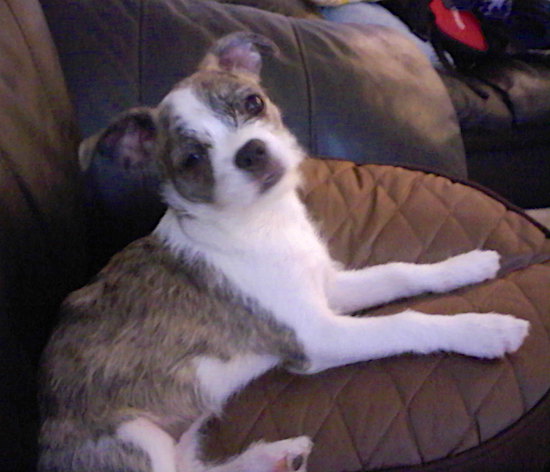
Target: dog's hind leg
(155, 442)
(289, 455)
(357, 289)
(69, 446)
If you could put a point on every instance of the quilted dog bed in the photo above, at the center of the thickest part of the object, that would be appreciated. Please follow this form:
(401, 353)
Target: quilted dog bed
(441, 412)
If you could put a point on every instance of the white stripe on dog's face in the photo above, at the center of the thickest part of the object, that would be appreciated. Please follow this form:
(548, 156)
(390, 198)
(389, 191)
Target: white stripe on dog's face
(190, 114)
(217, 125)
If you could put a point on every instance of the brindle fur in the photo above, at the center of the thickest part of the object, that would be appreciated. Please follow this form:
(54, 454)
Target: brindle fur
(127, 344)
(125, 347)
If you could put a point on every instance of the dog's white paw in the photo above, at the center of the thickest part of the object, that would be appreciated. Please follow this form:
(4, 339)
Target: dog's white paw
(296, 454)
(465, 269)
(488, 335)
(288, 455)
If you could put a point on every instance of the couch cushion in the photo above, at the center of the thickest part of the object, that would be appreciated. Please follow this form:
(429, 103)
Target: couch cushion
(294, 8)
(357, 92)
(455, 412)
(506, 133)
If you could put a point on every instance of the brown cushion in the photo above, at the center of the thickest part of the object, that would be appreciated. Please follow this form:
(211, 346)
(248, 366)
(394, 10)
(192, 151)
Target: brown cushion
(409, 410)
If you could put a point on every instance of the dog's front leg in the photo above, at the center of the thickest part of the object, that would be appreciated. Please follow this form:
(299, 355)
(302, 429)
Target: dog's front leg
(331, 341)
(356, 289)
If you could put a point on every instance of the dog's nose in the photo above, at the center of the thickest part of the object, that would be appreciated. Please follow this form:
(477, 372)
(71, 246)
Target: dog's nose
(253, 156)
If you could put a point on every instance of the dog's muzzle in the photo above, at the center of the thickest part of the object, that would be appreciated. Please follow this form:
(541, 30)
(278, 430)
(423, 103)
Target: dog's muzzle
(255, 159)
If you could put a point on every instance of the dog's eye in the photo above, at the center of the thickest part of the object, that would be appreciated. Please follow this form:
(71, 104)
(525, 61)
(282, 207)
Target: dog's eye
(254, 104)
(192, 159)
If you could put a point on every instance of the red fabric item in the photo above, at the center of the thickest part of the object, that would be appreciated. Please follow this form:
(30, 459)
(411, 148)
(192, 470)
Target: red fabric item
(461, 26)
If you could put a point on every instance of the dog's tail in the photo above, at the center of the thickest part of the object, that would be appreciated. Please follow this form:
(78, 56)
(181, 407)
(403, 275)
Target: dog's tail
(64, 448)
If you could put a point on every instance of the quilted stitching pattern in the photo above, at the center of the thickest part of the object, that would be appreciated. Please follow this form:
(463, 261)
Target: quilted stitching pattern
(410, 409)
(373, 214)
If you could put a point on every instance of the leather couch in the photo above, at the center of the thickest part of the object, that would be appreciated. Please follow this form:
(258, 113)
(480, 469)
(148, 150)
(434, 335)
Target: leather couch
(388, 111)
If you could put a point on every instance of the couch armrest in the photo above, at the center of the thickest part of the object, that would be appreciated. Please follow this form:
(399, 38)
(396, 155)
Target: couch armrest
(42, 228)
(42, 253)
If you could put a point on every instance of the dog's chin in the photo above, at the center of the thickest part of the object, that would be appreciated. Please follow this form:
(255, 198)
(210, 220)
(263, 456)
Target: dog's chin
(278, 183)
(270, 179)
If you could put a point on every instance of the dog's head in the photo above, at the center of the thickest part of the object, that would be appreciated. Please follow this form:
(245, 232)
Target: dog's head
(216, 139)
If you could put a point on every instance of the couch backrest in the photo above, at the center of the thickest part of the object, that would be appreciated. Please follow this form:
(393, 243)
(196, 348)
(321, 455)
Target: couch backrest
(350, 92)
(353, 92)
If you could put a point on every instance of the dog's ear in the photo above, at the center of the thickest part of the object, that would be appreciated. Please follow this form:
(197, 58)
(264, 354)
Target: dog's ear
(239, 52)
(121, 178)
(128, 142)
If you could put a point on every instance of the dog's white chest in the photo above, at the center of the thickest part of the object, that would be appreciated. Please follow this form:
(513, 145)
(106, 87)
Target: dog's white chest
(277, 266)
(277, 259)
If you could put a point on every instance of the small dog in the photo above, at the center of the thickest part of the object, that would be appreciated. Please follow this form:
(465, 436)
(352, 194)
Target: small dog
(234, 281)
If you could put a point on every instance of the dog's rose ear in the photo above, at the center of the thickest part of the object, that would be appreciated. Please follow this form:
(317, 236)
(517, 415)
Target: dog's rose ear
(239, 52)
(121, 179)
(128, 142)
